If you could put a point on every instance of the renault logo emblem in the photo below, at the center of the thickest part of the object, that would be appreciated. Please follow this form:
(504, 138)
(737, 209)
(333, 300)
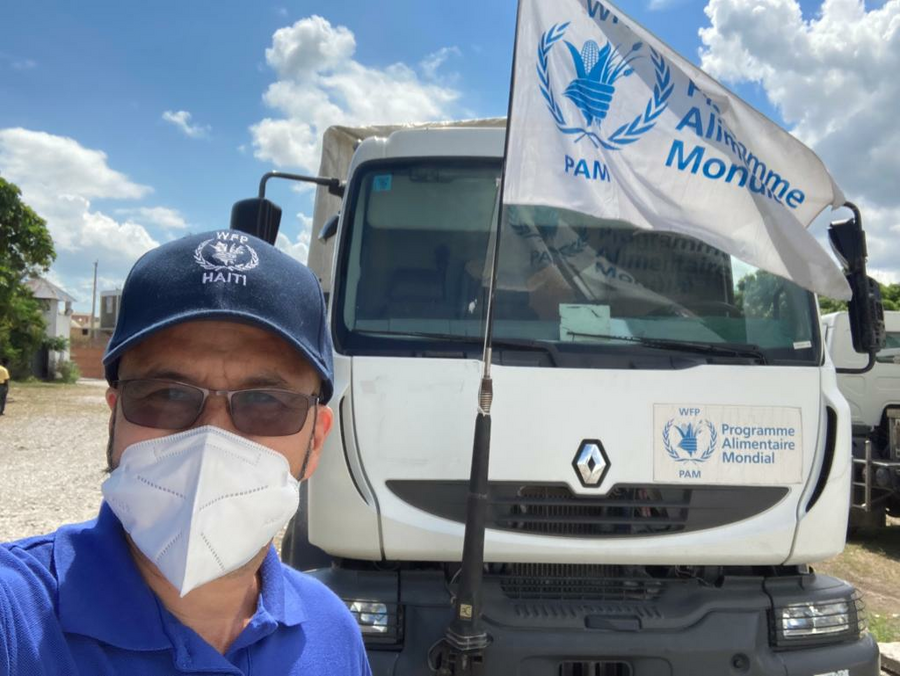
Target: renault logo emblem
(591, 463)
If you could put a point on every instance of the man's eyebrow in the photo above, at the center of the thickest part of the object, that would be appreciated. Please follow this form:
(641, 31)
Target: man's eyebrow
(264, 379)
(163, 374)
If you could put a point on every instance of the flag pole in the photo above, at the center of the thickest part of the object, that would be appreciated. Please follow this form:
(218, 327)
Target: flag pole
(461, 652)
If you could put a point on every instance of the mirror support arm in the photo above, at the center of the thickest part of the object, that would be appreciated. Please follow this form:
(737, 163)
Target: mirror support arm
(335, 185)
(865, 369)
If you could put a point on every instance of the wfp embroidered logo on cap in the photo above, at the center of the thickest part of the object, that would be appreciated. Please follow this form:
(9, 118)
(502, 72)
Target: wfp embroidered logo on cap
(225, 257)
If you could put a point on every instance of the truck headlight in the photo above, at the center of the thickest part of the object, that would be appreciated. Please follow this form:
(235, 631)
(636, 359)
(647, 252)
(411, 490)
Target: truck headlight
(372, 617)
(811, 623)
(380, 623)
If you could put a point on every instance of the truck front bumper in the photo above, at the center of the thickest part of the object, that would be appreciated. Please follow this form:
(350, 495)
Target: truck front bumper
(690, 630)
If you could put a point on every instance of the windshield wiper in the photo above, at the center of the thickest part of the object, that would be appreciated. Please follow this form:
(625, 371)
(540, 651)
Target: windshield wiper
(500, 343)
(695, 347)
(548, 348)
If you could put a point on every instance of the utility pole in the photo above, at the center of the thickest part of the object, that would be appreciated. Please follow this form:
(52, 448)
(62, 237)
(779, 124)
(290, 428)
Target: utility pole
(93, 303)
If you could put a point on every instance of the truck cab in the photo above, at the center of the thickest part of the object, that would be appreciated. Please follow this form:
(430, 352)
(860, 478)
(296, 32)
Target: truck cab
(670, 454)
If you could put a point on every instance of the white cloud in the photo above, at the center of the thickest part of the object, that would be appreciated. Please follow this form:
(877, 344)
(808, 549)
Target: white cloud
(59, 178)
(882, 225)
(37, 158)
(833, 79)
(320, 84)
(168, 219)
(657, 5)
(300, 248)
(431, 63)
(311, 45)
(17, 63)
(181, 119)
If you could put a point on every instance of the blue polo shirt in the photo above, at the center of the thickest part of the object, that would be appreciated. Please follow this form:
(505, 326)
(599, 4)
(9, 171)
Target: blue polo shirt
(73, 602)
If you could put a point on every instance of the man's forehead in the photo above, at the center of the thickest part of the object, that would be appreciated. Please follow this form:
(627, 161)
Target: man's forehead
(232, 348)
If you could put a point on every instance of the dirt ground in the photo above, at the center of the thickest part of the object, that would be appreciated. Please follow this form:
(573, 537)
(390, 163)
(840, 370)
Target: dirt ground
(871, 562)
(53, 456)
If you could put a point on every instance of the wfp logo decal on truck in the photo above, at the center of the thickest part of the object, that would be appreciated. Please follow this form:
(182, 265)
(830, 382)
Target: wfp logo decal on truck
(592, 92)
(696, 439)
(736, 445)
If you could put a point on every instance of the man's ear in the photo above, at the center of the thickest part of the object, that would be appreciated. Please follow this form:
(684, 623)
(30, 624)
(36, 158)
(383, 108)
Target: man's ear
(112, 397)
(324, 420)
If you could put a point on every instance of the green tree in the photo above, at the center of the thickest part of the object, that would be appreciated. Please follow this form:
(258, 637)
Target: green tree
(762, 295)
(829, 305)
(26, 249)
(890, 298)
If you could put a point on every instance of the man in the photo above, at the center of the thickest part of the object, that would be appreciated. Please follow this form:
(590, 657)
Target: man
(219, 369)
(4, 385)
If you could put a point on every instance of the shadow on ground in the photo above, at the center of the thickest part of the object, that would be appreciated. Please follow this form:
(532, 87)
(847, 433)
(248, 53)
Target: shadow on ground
(882, 541)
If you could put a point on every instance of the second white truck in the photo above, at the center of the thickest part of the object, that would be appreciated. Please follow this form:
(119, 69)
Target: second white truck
(874, 398)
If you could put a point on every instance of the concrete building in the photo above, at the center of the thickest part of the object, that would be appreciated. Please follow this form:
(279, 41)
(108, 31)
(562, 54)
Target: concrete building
(57, 312)
(109, 309)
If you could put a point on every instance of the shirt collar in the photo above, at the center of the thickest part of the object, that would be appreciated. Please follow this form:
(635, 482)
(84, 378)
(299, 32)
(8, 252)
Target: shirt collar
(102, 594)
(277, 598)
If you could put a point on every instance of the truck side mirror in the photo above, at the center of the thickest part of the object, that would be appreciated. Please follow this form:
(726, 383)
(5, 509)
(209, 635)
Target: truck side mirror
(260, 217)
(257, 216)
(330, 228)
(848, 240)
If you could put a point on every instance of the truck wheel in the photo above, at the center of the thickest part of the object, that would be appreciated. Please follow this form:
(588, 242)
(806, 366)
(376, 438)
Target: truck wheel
(893, 508)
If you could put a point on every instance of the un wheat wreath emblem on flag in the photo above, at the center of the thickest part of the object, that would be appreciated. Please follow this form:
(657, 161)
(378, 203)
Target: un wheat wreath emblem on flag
(592, 91)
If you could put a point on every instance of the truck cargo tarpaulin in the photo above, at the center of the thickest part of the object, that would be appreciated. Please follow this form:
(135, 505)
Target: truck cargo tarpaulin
(608, 121)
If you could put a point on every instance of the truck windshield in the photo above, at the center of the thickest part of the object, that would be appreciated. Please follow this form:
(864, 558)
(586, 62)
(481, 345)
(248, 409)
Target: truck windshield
(890, 353)
(414, 275)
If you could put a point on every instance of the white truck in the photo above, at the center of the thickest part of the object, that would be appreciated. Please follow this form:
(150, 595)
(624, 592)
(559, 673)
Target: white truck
(670, 454)
(874, 398)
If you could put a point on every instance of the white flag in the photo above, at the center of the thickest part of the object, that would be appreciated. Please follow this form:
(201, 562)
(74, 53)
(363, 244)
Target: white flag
(608, 121)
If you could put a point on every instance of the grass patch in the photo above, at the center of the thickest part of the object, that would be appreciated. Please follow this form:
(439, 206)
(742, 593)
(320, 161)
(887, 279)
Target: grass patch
(871, 563)
(884, 629)
(34, 400)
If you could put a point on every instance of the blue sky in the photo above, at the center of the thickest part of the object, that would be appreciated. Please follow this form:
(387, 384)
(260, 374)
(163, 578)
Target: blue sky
(104, 74)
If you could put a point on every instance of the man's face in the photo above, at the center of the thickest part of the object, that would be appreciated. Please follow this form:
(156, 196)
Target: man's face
(222, 356)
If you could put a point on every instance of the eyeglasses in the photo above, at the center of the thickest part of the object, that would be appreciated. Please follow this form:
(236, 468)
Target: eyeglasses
(170, 405)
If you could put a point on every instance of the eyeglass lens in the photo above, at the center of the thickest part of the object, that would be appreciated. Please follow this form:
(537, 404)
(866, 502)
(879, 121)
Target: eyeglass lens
(169, 405)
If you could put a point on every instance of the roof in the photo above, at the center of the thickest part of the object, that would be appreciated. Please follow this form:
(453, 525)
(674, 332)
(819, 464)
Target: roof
(43, 289)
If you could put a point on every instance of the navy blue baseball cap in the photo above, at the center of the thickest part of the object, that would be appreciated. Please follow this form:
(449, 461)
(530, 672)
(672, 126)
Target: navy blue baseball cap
(225, 275)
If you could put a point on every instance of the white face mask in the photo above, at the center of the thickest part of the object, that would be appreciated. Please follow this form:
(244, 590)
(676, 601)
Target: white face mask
(201, 503)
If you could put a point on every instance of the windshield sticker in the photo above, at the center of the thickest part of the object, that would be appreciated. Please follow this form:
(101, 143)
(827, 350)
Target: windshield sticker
(579, 322)
(803, 345)
(381, 183)
(727, 445)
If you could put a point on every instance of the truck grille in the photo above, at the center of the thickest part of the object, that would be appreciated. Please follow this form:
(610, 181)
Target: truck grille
(553, 510)
(626, 511)
(575, 582)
